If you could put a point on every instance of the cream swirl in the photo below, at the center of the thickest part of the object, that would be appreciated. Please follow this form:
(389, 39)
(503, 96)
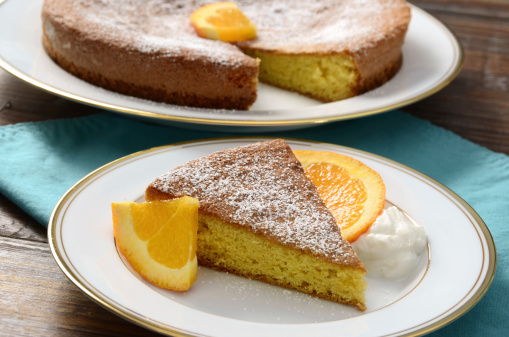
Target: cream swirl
(391, 248)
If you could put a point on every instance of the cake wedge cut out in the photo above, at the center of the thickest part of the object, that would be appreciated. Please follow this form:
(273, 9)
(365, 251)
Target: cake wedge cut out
(261, 217)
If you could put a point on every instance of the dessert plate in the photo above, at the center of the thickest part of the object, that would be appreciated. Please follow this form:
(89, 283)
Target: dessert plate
(447, 282)
(432, 57)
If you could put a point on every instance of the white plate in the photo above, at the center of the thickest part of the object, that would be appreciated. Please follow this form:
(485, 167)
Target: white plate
(450, 279)
(432, 57)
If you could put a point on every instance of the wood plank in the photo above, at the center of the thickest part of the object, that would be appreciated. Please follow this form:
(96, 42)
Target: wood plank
(22, 102)
(476, 104)
(38, 299)
(15, 223)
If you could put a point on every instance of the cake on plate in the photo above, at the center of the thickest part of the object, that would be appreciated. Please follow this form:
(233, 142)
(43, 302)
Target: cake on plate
(325, 49)
(262, 218)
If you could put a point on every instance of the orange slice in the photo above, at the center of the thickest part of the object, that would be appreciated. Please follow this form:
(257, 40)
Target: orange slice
(159, 240)
(353, 192)
(222, 21)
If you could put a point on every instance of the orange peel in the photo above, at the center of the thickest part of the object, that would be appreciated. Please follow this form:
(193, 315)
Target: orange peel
(352, 191)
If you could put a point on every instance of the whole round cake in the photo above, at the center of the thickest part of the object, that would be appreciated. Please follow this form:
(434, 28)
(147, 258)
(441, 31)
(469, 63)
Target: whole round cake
(328, 50)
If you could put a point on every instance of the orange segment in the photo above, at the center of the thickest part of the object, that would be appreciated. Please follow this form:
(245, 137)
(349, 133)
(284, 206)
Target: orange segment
(159, 240)
(222, 21)
(353, 192)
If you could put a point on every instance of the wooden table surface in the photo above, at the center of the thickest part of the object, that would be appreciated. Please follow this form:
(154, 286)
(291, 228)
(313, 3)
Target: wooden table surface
(38, 300)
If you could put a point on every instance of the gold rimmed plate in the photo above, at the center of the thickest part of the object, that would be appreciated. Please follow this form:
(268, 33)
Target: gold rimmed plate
(449, 279)
(432, 57)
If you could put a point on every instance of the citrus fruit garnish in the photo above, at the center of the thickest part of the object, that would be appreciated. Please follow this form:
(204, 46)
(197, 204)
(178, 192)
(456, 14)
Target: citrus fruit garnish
(222, 21)
(353, 192)
(159, 240)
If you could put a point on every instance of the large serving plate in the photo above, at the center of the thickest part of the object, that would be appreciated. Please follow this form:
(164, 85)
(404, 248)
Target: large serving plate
(450, 278)
(432, 57)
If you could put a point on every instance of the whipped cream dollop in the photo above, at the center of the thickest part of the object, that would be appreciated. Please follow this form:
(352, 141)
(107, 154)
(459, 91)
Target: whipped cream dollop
(392, 247)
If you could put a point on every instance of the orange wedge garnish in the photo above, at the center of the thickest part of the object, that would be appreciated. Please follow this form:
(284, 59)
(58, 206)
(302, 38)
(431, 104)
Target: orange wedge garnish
(353, 192)
(159, 240)
(222, 21)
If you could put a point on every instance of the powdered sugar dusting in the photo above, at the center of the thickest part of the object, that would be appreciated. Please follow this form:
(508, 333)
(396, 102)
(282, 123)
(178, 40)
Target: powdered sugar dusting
(263, 188)
(164, 27)
(156, 27)
(324, 25)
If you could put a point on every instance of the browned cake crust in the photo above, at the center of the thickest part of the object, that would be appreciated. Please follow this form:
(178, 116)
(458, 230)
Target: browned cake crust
(132, 60)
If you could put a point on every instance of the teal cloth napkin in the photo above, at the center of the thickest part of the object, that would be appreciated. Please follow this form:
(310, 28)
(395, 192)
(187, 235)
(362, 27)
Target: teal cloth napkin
(40, 161)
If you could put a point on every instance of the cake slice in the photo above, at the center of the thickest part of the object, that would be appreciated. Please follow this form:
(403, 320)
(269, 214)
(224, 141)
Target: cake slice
(262, 218)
